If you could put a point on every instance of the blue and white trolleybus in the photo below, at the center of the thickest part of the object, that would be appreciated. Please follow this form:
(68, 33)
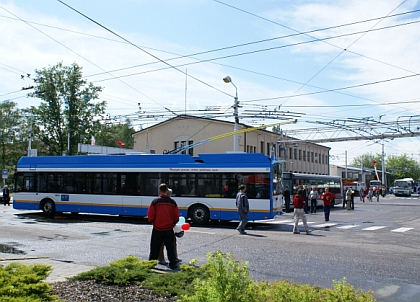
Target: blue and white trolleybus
(204, 186)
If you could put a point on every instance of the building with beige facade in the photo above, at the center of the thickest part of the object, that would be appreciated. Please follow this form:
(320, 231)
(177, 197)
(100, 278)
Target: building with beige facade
(298, 156)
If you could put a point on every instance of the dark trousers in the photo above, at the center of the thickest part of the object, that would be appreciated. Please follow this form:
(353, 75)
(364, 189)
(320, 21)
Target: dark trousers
(306, 206)
(6, 200)
(159, 237)
(327, 212)
(313, 205)
(287, 203)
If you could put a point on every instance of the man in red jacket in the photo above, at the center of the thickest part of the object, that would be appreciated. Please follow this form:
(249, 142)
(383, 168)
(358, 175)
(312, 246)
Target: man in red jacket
(327, 199)
(163, 213)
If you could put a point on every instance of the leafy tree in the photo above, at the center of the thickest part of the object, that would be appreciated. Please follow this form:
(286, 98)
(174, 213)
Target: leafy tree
(399, 166)
(367, 160)
(106, 134)
(67, 113)
(402, 166)
(277, 129)
(11, 151)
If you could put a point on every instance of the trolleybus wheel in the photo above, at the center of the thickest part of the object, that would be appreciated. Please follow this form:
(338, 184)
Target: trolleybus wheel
(200, 214)
(48, 207)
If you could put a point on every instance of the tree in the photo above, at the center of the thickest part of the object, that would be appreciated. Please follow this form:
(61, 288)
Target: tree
(367, 160)
(106, 135)
(403, 167)
(67, 114)
(11, 145)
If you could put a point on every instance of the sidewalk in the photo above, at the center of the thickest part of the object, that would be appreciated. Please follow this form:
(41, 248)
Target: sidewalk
(61, 270)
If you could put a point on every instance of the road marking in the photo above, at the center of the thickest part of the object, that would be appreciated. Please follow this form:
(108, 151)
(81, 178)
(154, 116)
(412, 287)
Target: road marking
(324, 225)
(301, 223)
(277, 221)
(348, 226)
(201, 232)
(373, 228)
(401, 230)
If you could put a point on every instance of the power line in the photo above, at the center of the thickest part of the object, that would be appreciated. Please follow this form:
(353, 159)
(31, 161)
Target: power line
(336, 89)
(143, 50)
(258, 51)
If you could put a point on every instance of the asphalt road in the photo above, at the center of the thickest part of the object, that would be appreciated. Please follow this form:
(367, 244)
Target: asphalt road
(376, 246)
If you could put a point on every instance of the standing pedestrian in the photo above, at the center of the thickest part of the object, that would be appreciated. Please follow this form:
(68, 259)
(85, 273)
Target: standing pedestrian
(378, 193)
(314, 196)
(352, 198)
(348, 199)
(362, 194)
(370, 193)
(163, 214)
(299, 212)
(327, 199)
(6, 195)
(242, 205)
(306, 199)
(286, 195)
(161, 258)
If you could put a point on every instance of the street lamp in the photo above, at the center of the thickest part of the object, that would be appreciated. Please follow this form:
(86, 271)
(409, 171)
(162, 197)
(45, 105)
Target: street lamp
(227, 79)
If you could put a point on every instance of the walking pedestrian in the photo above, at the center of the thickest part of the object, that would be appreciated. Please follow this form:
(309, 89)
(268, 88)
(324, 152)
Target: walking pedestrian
(327, 199)
(378, 193)
(242, 205)
(163, 214)
(299, 212)
(6, 195)
(314, 196)
(286, 195)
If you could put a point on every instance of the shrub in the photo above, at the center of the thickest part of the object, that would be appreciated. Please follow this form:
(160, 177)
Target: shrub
(19, 283)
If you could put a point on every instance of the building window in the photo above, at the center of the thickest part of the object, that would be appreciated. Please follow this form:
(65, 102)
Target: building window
(319, 158)
(300, 154)
(295, 154)
(290, 153)
(312, 157)
(262, 147)
(255, 149)
(181, 144)
(316, 157)
(190, 150)
(304, 155)
(268, 148)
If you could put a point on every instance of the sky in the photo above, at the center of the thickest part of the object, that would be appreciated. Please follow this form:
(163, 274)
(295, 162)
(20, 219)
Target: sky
(317, 61)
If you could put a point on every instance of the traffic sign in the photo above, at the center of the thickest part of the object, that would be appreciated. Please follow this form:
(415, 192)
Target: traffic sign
(4, 173)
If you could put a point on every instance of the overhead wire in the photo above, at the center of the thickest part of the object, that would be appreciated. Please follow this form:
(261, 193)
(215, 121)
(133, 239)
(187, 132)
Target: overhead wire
(142, 49)
(71, 50)
(357, 22)
(259, 50)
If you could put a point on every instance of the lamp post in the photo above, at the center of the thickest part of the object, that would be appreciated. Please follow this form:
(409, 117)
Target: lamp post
(227, 79)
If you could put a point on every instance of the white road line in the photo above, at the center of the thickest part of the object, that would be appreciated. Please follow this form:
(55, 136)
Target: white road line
(373, 228)
(300, 223)
(401, 230)
(200, 232)
(324, 225)
(348, 226)
(276, 221)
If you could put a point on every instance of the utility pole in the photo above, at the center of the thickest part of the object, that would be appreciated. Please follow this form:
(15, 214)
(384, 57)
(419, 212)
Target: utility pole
(383, 166)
